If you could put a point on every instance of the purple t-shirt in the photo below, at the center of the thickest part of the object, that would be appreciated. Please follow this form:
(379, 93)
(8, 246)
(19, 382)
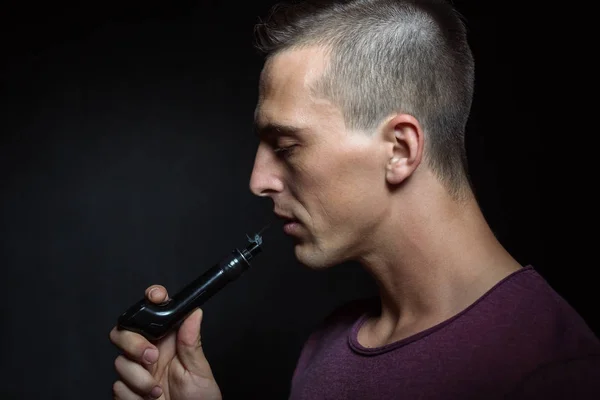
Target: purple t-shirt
(519, 340)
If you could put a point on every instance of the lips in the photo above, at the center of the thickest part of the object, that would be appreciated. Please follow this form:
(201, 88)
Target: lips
(287, 220)
(291, 227)
(284, 217)
(290, 224)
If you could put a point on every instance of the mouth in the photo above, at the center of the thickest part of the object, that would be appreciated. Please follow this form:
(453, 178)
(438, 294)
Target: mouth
(290, 225)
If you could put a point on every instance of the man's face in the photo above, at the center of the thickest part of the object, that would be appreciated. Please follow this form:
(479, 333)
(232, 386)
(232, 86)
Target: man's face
(328, 183)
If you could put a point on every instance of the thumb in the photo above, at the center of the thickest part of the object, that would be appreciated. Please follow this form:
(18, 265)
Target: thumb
(189, 346)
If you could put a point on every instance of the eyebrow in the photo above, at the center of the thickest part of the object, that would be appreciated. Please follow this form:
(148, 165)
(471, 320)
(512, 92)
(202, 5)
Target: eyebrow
(274, 129)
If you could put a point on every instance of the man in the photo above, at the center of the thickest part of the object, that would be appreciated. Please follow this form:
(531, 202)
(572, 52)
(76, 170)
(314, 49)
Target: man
(361, 116)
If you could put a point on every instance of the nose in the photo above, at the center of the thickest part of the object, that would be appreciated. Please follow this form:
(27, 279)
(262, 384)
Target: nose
(266, 178)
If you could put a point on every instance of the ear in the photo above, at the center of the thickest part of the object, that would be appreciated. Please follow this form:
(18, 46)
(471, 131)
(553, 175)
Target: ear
(405, 137)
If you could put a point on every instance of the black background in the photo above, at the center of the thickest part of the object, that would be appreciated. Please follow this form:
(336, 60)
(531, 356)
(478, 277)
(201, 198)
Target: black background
(127, 145)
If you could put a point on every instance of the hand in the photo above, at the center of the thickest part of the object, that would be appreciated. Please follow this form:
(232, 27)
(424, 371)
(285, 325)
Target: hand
(173, 368)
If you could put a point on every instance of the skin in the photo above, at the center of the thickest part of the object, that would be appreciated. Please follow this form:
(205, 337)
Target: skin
(347, 195)
(179, 370)
(369, 197)
(316, 172)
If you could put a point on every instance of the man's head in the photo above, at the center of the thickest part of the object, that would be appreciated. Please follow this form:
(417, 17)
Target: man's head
(362, 90)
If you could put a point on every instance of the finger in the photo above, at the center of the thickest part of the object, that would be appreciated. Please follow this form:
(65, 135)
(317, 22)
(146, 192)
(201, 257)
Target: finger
(189, 346)
(122, 392)
(134, 345)
(137, 378)
(157, 294)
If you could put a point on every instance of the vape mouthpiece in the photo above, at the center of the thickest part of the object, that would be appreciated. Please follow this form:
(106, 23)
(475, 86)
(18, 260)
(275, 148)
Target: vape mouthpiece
(255, 244)
(253, 247)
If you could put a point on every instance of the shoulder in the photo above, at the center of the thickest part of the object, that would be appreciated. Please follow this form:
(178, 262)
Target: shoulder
(541, 345)
(573, 379)
(526, 311)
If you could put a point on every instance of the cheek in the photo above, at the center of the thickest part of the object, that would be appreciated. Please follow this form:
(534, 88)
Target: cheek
(315, 184)
(335, 180)
(341, 191)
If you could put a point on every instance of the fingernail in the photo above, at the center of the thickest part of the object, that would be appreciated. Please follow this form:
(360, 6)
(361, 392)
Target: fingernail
(156, 392)
(151, 355)
(152, 293)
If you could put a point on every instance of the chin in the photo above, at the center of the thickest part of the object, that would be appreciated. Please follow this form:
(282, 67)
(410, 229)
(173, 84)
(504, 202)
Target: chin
(315, 258)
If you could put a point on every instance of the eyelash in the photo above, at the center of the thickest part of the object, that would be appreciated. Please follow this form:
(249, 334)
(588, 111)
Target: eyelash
(284, 151)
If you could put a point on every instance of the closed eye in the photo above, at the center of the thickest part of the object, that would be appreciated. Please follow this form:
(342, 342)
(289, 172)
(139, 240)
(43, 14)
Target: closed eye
(284, 151)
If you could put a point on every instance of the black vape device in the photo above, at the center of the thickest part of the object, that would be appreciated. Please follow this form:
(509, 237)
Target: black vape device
(154, 321)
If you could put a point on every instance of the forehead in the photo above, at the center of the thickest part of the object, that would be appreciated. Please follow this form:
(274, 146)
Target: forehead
(286, 91)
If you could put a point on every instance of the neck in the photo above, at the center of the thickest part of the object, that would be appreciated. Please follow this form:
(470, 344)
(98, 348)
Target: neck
(442, 260)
